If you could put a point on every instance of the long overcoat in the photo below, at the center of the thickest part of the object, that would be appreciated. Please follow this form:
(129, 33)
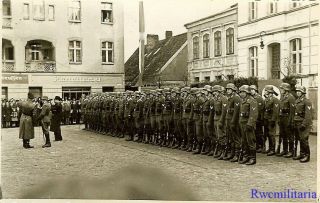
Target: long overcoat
(26, 129)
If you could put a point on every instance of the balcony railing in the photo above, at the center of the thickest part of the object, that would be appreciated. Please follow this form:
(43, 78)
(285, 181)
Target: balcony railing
(40, 66)
(6, 22)
(8, 65)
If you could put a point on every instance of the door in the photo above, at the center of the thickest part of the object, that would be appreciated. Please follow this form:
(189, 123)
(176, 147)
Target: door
(274, 61)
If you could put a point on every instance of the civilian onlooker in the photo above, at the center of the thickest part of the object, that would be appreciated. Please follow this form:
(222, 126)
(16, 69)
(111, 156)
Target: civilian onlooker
(66, 108)
(7, 113)
(14, 115)
(78, 108)
(73, 112)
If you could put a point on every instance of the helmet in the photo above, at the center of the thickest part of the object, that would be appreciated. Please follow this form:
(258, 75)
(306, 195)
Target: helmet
(269, 88)
(187, 89)
(194, 91)
(285, 86)
(207, 88)
(253, 87)
(301, 89)
(216, 88)
(244, 88)
(231, 86)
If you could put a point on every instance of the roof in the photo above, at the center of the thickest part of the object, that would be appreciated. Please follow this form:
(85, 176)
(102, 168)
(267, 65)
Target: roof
(155, 59)
(232, 7)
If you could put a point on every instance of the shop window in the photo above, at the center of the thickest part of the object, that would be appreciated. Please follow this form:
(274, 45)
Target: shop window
(4, 93)
(75, 92)
(107, 89)
(36, 91)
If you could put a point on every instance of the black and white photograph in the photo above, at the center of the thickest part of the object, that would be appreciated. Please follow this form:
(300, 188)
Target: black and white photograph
(167, 100)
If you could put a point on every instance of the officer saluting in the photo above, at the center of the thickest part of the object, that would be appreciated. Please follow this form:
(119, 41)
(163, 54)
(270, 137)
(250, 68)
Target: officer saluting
(302, 121)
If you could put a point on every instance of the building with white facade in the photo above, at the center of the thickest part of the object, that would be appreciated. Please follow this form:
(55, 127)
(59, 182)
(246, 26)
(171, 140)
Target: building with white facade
(212, 47)
(65, 48)
(288, 33)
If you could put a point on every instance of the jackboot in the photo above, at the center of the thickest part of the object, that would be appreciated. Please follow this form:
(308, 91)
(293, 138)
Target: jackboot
(48, 143)
(244, 160)
(217, 151)
(199, 148)
(28, 144)
(236, 157)
(252, 159)
(288, 155)
(231, 155)
(278, 150)
(224, 153)
(24, 144)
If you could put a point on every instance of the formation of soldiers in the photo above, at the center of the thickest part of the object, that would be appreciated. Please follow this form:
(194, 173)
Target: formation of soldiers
(227, 123)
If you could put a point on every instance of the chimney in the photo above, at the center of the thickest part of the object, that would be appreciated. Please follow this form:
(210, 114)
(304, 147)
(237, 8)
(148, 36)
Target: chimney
(168, 34)
(152, 41)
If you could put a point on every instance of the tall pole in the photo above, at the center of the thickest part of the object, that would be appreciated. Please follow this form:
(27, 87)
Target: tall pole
(141, 44)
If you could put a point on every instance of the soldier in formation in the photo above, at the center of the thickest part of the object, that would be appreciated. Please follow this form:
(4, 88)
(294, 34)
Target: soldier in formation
(227, 123)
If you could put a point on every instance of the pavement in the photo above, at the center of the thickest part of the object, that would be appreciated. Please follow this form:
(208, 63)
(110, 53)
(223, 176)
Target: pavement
(87, 154)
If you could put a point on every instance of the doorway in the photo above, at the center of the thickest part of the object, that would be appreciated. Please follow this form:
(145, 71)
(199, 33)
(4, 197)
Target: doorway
(274, 61)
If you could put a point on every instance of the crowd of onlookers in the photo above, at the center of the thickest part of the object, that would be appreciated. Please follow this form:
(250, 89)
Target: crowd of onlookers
(71, 111)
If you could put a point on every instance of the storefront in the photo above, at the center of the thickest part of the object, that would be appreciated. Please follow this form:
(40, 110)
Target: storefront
(65, 85)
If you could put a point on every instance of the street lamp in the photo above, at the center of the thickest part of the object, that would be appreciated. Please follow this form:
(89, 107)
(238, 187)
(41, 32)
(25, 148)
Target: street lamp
(261, 40)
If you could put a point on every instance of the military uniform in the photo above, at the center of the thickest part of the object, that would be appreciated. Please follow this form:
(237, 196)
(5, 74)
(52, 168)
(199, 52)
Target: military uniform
(271, 116)
(287, 105)
(302, 121)
(259, 125)
(247, 120)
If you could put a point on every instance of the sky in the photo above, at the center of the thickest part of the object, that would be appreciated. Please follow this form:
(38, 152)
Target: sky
(163, 15)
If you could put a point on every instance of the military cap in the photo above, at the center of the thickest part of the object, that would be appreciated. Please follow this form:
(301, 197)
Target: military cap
(217, 88)
(208, 88)
(231, 86)
(269, 88)
(253, 87)
(301, 89)
(167, 89)
(194, 90)
(45, 98)
(285, 86)
(244, 88)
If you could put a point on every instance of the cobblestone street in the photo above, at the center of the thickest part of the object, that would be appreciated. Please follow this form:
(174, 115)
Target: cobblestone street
(94, 155)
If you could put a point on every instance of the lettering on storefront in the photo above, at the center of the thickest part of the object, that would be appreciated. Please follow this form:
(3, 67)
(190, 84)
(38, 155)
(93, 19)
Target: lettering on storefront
(14, 79)
(76, 79)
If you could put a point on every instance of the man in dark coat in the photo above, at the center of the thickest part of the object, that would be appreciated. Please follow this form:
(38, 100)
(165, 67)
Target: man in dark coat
(56, 110)
(26, 130)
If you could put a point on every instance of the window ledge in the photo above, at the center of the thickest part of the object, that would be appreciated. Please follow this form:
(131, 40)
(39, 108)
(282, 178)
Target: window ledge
(107, 23)
(75, 63)
(74, 21)
(107, 63)
(39, 19)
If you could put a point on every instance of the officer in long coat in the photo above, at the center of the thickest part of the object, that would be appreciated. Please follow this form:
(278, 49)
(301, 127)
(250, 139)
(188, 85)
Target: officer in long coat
(302, 122)
(56, 110)
(26, 128)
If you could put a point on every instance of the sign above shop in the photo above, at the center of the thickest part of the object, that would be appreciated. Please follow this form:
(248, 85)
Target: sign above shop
(14, 79)
(76, 79)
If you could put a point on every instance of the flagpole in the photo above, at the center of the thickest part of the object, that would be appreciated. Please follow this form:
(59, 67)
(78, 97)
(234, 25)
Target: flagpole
(141, 44)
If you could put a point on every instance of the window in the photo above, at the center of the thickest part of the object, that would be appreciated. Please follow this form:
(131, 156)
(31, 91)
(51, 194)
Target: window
(26, 11)
(295, 4)
(36, 91)
(8, 54)
(229, 40)
(38, 10)
(6, 8)
(75, 92)
(207, 78)
(35, 55)
(107, 89)
(273, 7)
(51, 12)
(253, 61)
(4, 94)
(252, 10)
(196, 79)
(107, 52)
(217, 43)
(230, 77)
(106, 12)
(296, 55)
(196, 48)
(206, 46)
(75, 51)
(74, 11)
(219, 77)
